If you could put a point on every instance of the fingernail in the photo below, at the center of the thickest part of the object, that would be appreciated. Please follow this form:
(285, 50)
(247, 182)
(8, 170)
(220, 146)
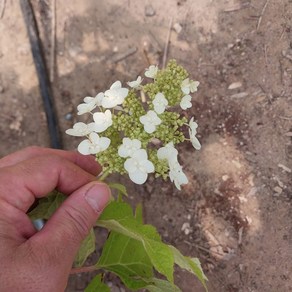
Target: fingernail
(98, 196)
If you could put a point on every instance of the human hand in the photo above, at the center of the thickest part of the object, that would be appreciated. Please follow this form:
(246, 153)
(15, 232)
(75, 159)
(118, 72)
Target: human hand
(41, 261)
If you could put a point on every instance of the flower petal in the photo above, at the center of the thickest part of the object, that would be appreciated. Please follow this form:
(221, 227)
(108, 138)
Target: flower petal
(138, 177)
(84, 147)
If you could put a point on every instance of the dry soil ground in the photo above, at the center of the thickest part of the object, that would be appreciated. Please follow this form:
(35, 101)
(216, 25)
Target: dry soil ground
(235, 214)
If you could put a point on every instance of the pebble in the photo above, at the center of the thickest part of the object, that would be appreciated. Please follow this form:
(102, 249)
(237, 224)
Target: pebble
(68, 117)
(177, 27)
(149, 10)
(1, 89)
(278, 190)
(234, 85)
(186, 228)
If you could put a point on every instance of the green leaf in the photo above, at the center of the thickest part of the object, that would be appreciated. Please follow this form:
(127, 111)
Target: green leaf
(96, 285)
(192, 265)
(127, 258)
(47, 206)
(118, 217)
(87, 247)
(119, 187)
(159, 285)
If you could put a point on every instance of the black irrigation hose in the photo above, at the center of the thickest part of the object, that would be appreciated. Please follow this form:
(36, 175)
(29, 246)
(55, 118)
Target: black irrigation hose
(42, 72)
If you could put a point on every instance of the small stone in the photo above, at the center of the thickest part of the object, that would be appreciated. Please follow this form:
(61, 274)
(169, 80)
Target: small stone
(149, 10)
(186, 228)
(1, 89)
(177, 27)
(278, 190)
(68, 117)
(234, 85)
(225, 177)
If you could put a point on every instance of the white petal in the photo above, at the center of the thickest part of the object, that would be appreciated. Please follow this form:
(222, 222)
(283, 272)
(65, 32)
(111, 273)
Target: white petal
(84, 147)
(196, 143)
(151, 71)
(104, 143)
(149, 128)
(138, 177)
(148, 165)
(140, 154)
(84, 108)
(116, 85)
(186, 102)
(130, 165)
(123, 151)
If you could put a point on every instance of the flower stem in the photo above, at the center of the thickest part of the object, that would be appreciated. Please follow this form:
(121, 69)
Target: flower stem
(103, 176)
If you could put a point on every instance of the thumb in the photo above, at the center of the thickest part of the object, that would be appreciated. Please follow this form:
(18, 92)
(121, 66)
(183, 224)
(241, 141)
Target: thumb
(71, 223)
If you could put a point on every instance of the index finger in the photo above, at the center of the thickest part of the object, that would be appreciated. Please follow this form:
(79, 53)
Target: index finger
(33, 178)
(87, 162)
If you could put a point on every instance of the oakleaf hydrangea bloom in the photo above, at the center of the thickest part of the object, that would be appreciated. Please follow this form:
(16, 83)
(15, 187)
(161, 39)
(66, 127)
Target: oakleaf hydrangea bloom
(188, 86)
(94, 144)
(151, 72)
(90, 103)
(168, 152)
(160, 103)
(95, 100)
(135, 83)
(115, 95)
(129, 147)
(138, 166)
(140, 137)
(150, 121)
(80, 129)
(176, 174)
(192, 132)
(102, 120)
(186, 102)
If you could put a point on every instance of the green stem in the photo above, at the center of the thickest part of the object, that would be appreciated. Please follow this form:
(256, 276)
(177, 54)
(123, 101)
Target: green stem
(103, 176)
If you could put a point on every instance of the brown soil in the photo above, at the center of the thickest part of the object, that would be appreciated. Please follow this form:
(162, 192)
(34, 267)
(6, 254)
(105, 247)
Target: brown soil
(235, 214)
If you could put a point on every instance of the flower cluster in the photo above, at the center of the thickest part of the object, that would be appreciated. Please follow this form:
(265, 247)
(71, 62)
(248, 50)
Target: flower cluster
(130, 136)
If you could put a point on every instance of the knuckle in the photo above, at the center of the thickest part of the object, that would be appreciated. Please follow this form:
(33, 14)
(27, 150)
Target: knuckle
(78, 222)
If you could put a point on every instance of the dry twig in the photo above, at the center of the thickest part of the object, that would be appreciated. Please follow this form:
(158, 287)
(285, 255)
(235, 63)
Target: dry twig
(262, 14)
(53, 42)
(124, 55)
(2, 8)
(166, 44)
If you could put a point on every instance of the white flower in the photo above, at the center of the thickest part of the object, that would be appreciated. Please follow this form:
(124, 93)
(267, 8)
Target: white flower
(186, 102)
(150, 121)
(188, 86)
(177, 175)
(80, 129)
(84, 108)
(135, 83)
(114, 96)
(151, 71)
(96, 100)
(94, 144)
(138, 166)
(90, 103)
(160, 103)
(129, 147)
(192, 132)
(102, 120)
(167, 152)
